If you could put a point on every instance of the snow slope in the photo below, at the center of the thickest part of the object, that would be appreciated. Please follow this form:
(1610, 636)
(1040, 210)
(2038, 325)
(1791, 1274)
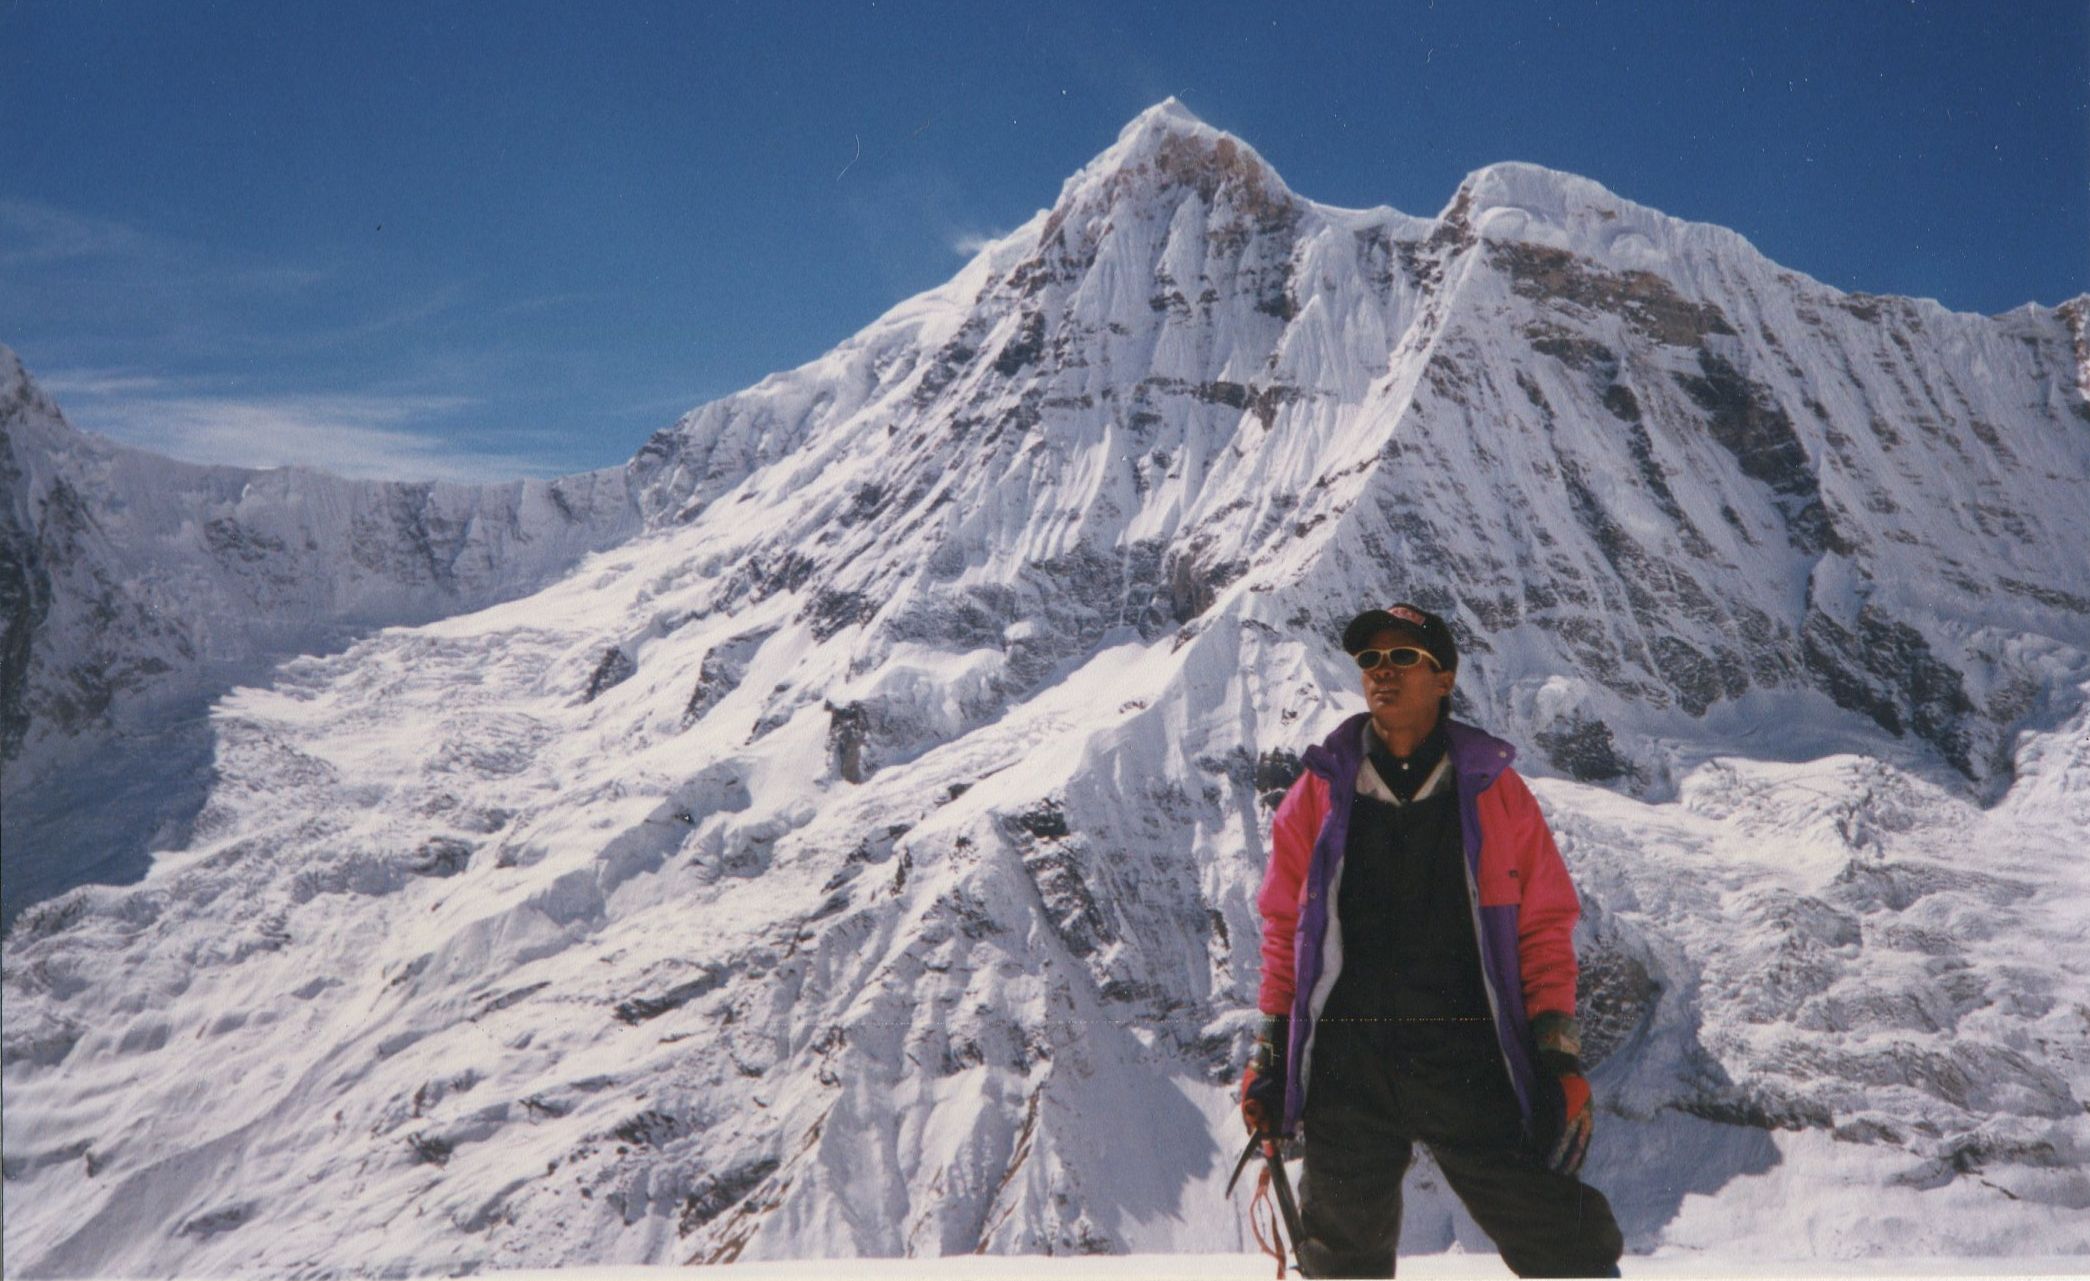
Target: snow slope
(860, 860)
(135, 589)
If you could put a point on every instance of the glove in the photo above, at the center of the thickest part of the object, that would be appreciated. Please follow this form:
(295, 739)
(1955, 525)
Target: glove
(1580, 1119)
(1559, 1050)
(1262, 1082)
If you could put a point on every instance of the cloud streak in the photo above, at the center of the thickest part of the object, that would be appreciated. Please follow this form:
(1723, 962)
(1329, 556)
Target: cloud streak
(374, 437)
(34, 235)
(230, 328)
(91, 383)
(98, 287)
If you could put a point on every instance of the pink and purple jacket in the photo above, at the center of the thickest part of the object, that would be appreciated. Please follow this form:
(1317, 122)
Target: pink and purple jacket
(1524, 905)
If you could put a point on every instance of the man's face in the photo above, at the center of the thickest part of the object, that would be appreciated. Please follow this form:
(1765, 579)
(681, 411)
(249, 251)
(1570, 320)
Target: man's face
(1403, 699)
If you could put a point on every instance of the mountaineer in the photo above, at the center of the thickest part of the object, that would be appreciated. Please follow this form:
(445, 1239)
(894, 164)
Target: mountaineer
(1419, 980)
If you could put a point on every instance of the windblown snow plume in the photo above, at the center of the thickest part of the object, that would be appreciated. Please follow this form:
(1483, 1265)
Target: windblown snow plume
(856, 853)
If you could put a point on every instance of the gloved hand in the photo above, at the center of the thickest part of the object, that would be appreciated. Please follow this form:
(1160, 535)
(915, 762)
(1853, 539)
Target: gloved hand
(1262, 1082)
(1573, 1143)
(1559, 1058)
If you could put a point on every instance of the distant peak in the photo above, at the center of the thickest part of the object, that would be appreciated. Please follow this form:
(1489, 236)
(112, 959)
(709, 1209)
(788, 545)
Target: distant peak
(29, 419)
(19, 388)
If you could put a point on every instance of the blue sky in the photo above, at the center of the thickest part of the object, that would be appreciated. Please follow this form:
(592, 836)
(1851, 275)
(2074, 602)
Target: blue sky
(487, 240)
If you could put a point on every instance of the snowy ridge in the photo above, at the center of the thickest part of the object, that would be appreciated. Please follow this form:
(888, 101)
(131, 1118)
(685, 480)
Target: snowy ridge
(861, 860)
(1609, 388)
(137, 588)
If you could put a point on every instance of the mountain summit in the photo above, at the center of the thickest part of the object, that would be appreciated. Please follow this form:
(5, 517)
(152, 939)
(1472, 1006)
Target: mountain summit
(837, 831)
(1166, 148)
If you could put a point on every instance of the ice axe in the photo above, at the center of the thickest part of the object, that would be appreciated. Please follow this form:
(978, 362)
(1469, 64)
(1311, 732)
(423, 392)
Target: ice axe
(1272, 1177)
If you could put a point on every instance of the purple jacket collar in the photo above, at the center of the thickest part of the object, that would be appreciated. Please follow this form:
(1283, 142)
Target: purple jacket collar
(1477, 756)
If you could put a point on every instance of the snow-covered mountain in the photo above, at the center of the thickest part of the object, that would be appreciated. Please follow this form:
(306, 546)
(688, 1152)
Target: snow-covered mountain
(135, 589)
(860, 859)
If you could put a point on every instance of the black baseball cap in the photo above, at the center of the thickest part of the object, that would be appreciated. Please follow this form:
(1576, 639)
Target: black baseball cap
(1411, 622)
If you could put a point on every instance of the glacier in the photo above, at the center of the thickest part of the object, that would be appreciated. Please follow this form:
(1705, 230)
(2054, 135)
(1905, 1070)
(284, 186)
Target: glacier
(136, 588)
(835, 832)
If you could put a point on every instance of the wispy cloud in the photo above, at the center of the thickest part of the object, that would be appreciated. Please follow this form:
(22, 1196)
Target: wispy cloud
(937, 210)
(552, 302)
(99, 288)
(404, 315)
(228, 329)
(365, 436)
(70, 384)
(967, 243)
(34, 234)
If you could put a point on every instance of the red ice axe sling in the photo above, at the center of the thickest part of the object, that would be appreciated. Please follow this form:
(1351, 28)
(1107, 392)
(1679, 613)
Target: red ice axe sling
(1273, 1176)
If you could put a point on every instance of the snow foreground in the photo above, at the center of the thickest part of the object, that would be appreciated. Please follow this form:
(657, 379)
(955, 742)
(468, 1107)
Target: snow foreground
(1219, 1267)
(528, 1093)
(857, 856)
(1225, 1267)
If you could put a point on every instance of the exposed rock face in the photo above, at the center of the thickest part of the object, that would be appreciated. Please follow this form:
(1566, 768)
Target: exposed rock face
(863, 860)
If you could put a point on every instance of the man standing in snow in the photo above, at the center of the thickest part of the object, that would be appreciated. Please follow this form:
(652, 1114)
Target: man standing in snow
(1419, 979)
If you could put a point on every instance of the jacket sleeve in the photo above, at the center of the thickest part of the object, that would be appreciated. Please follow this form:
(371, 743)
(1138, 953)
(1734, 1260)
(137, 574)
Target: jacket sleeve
(1546, 918)
(1292, 836)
